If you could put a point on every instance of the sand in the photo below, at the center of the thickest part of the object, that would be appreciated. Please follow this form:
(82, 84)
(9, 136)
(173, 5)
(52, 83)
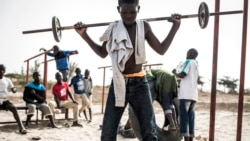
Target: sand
(225, 123)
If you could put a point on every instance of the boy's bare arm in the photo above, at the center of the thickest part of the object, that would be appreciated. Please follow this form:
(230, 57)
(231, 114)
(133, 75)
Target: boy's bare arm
(180, 75)
(156, 45)
(71, 97)
(99, 50)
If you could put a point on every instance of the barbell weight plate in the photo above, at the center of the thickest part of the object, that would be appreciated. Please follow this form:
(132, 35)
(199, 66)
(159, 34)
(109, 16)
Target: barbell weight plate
(56, 29)
(203, 15)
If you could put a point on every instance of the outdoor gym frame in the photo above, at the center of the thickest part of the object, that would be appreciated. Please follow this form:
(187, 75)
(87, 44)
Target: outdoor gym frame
(214, 72)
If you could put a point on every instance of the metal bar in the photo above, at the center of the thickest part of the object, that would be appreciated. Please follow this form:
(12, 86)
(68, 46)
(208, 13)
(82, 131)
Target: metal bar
(160, 19)
(149, 65)
(226, 13)
(38, 55)
(148, 19)
(214, 73)
(45, 74)
(27, 72)
(242, 71)
(195, 15)
(88, 25)
(49, 60)
(37, 30)
(103, 89)
(103, 85)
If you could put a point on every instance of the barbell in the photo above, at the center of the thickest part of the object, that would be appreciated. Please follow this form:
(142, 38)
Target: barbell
(203, 18)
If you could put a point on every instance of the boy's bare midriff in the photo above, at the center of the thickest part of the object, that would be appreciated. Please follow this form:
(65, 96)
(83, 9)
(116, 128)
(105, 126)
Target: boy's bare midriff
(131, 67)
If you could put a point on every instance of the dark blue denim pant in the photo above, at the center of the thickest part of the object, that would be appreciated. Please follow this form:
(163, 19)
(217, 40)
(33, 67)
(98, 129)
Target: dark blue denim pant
(187, 117)
(167, 101)
(139, 97)
(65, 74)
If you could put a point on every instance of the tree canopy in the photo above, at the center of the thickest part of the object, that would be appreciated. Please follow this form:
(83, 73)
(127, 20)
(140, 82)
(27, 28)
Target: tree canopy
(229, 83)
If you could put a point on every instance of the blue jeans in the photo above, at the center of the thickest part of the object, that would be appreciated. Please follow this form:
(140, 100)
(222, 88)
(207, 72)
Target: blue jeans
(167, 101)
(65, 74)
(139, 97)
(187, 117)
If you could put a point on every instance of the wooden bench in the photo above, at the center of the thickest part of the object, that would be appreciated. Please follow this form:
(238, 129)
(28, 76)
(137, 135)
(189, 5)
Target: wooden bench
(63, 111)
(21, 108)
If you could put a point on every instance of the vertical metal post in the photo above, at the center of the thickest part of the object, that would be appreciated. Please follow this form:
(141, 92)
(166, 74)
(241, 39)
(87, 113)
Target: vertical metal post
(45, 74)
(27, 72)
(214, 72)
(103, 85)
(103, 88)
(242, 71)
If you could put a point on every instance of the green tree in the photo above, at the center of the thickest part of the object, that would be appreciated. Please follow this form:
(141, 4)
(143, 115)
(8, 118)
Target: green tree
(72, 67)
(247, 91)
(21, 80)
(35, 68)
(229, 83)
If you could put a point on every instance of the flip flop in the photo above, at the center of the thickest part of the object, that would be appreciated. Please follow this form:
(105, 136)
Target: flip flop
(36, 138)
(23, 131)
(172, 129)
(169, 129)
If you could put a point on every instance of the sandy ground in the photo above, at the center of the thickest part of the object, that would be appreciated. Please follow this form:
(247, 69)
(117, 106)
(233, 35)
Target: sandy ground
(225, 122)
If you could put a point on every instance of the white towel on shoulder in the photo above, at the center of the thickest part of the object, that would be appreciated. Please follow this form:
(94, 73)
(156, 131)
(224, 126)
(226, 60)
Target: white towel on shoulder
(120, 49)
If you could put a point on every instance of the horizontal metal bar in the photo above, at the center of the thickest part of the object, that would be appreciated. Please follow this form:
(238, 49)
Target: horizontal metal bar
(226, 13)
(37, 30)
(148, 19)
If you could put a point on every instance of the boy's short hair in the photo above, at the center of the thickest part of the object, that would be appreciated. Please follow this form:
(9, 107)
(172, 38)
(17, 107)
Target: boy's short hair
(58, 74)
(56, 47)
(2, 66)
(77, 69)
(120, 2)
(36, 73)
(194, 50)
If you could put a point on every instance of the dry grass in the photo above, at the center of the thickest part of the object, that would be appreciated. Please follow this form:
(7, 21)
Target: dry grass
(226, 102)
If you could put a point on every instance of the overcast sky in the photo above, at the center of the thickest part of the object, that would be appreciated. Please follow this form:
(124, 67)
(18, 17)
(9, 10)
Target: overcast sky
(22, 15)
